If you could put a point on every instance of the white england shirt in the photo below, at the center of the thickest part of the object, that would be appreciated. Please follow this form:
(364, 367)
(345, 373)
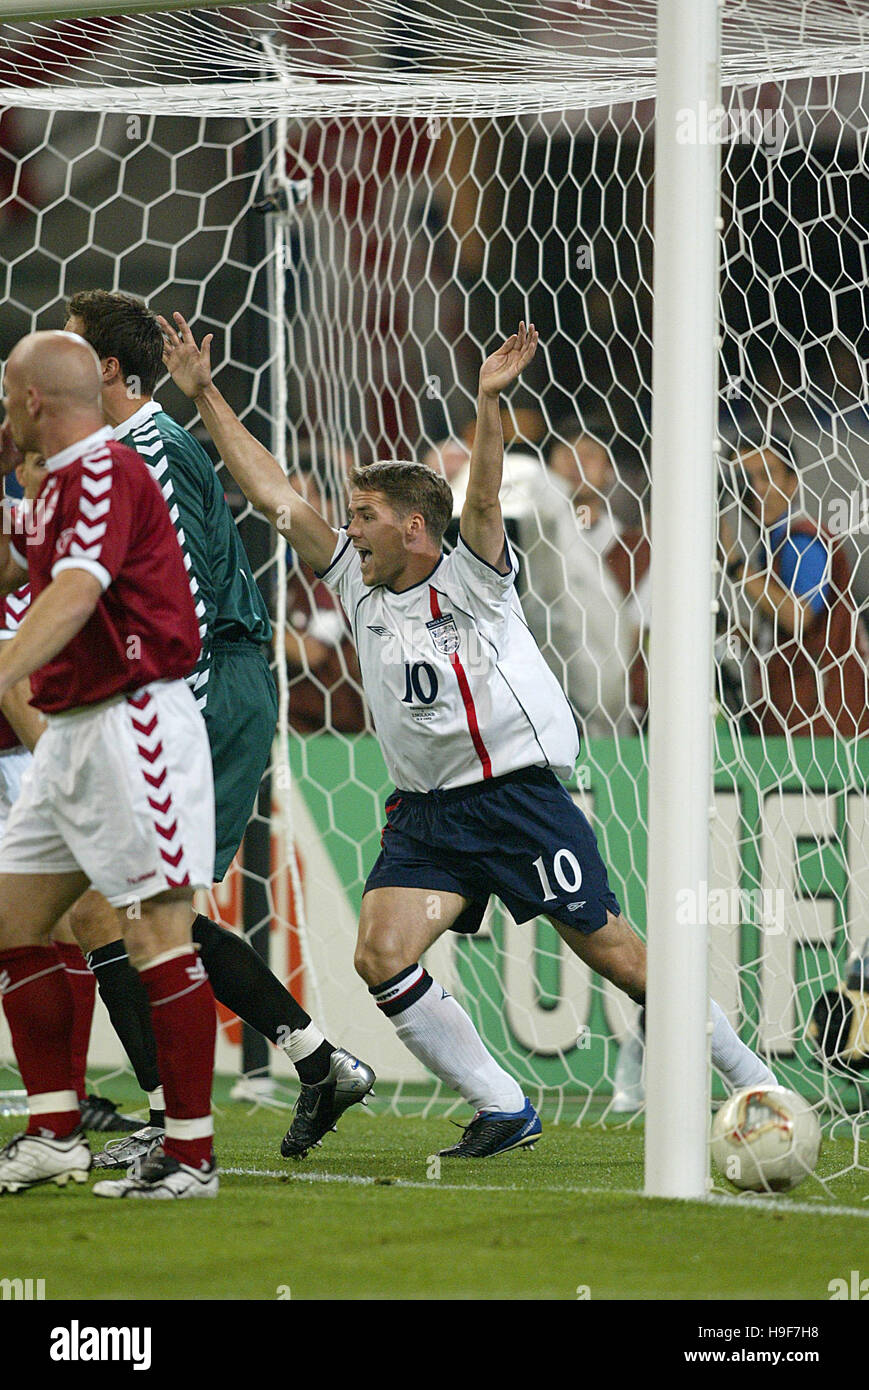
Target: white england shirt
(457, 686)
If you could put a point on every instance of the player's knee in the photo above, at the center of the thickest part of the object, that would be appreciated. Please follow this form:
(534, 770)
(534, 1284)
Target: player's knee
(378, 957)
(79, 917)
(63, 932)
(94, 922)
(364, 962)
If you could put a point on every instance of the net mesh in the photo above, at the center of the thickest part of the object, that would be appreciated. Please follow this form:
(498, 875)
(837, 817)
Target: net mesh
(449, 171)
(467, 57)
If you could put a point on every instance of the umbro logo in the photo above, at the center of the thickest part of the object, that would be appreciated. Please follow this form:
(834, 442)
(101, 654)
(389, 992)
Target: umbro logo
(195, 973)
(379, 631)
(572, 907)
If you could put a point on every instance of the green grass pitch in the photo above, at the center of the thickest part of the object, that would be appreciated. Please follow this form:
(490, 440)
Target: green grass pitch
(368, 1216)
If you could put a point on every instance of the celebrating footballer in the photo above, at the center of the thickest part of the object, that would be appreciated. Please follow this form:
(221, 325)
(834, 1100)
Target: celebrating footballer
(475, 732)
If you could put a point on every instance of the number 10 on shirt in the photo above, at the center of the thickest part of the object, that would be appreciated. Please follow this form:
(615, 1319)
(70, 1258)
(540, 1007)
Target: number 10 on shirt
(420, 680)
(567, 871)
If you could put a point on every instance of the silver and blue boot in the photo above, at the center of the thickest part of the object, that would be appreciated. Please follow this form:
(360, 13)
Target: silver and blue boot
(320, 1107)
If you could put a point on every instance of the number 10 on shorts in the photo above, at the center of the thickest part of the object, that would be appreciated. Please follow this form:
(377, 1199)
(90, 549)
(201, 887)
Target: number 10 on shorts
(566, 871)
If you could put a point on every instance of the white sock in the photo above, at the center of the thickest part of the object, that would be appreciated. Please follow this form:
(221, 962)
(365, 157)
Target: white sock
(156, 1100)
(301, 1042)
(737, 1063)
(441, 1035)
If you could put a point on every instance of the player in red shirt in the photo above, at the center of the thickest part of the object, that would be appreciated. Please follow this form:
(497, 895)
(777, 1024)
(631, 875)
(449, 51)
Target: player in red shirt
(15, 758)
(21, 726)
(120, 793)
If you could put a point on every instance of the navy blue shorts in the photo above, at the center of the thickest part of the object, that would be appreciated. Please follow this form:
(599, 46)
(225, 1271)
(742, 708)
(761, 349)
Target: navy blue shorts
(520, 837)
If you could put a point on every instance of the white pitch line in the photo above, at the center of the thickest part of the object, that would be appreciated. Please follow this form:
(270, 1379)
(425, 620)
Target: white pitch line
(435, 1185)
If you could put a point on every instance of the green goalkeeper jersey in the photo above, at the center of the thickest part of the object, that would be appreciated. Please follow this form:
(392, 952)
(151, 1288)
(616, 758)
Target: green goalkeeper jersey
(229, 606)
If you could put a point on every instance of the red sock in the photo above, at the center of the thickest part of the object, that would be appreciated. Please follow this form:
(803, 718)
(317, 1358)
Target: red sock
(83, 984)
(184, 1019)
(38, 1005)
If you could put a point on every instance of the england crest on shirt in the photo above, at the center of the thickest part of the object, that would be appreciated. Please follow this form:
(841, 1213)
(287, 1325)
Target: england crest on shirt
(445, 634)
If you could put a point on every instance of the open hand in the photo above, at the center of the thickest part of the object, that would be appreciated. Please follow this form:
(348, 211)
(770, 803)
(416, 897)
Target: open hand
(188, 365)
(503, 367)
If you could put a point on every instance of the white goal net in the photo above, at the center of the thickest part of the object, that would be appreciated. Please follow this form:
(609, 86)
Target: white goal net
(359, 202)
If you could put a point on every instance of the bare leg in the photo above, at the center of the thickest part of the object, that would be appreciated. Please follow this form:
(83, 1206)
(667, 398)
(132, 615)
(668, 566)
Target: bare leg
(617, 953)
(614, 951)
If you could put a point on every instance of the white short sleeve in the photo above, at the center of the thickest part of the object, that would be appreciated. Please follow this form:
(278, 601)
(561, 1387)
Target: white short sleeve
(490, 594)
(343, 574)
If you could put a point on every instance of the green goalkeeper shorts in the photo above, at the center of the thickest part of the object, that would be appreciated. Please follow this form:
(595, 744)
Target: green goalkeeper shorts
(240, 717)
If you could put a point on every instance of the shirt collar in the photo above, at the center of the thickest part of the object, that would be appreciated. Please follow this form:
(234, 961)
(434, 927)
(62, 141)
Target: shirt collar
(133, 421)
(75, 451)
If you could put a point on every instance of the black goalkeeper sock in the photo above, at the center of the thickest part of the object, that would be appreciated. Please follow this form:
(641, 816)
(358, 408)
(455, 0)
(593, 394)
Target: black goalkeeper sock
(315, 1067)
(242, 981)
(124, 996)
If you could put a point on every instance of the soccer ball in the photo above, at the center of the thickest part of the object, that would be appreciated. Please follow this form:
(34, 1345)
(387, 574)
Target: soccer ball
(765, 1139)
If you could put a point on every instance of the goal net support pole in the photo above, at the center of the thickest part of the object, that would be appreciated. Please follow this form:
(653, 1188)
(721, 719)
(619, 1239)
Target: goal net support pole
(286, 195)
(680, 733)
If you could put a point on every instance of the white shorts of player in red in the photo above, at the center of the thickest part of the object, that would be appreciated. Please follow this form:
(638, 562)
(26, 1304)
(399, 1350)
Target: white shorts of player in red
(13, 766)
(122, 791)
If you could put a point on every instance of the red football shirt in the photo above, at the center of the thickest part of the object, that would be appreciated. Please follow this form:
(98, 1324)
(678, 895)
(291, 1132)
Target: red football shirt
(12, 609)
(100, 510)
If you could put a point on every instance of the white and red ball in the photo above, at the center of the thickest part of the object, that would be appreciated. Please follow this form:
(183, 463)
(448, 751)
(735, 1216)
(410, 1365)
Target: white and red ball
(766, 1139)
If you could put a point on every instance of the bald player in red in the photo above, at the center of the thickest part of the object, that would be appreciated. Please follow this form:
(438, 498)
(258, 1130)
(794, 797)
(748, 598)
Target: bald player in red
(119, 795)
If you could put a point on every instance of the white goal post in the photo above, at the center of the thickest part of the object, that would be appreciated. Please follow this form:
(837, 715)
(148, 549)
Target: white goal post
(681, 709)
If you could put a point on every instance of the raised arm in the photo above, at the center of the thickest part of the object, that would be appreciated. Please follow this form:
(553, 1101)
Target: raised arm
(257, 472)
(482, 524)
